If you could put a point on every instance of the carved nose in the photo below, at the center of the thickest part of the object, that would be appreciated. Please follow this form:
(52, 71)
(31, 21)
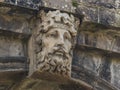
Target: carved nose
(61, 41)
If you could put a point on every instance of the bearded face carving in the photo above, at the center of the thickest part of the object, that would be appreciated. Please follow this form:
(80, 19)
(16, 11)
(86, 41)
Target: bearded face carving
(55, 38)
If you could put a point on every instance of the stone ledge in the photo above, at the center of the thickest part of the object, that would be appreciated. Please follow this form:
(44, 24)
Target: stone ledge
(65, 5)
(100, 15)
(46, 5)
(18, 18)
(24, 3)
(98, 50)
(103, 4)
(13, 59)
(13, 64)
(15, 34)
(60, 4)
(98, 36)
(103, 64)
(9, 6)
(107, 13)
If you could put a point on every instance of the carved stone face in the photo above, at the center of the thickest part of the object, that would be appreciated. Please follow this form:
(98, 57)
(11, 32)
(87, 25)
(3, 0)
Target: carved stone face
(54, 43)
(57, 43)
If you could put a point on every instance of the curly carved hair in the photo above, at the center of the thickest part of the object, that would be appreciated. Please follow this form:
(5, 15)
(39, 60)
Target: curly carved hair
(57, 19)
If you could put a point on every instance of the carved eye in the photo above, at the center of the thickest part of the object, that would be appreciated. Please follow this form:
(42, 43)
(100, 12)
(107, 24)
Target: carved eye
(48, 22)
(52, 35)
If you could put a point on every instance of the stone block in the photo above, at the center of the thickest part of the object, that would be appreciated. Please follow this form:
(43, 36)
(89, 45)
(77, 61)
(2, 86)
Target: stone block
(117, 18)
(102, 3)
(115, 72)
(33, 4)
(106, 12)
(14, 24)
(107, 16)
(89, 61)
(90, 13)
(65, 5)
(96, 68)
(11, 47)
(99, 36)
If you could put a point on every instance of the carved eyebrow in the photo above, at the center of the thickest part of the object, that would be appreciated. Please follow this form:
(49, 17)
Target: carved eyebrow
(49, 29)
(55, 33)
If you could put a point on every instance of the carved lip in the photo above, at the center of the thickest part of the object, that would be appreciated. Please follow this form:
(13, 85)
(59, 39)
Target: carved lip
(59, 53)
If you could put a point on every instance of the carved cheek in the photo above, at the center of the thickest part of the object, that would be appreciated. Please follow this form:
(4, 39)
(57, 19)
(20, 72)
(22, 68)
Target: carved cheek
(49, 43)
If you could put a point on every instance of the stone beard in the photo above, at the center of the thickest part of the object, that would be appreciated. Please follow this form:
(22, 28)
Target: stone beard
(55, 38)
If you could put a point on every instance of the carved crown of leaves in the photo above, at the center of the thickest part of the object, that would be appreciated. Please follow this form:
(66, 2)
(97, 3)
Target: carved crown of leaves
(59, 20)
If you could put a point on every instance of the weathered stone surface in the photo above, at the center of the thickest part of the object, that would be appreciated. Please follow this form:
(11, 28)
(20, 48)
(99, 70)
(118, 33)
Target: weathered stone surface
(14, 23)
(107, 17)
(91, 78)
(103, 11)
(104, 3)
(47, 81)
(97, 51)
(89, 61)
(13, 64)
(65, 5)
(90, 13)
(8, 79)
(98, 64)
(11, 47)
(115, 72)
(94, 67)
(14, 33)
(99, 36)
(34, 4)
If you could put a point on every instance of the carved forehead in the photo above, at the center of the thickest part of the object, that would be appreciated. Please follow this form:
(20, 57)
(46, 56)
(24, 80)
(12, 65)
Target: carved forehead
(58, 30)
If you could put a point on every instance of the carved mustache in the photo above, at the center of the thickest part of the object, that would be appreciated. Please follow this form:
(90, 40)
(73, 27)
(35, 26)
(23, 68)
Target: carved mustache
(61, 50)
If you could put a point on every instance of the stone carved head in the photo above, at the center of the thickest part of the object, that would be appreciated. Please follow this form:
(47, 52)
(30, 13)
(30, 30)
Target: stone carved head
(55, 39)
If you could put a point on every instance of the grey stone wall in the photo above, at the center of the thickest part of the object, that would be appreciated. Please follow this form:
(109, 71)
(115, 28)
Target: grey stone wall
(10, 47)
(14, 35)
(65, 5)
(106, 12)
(100, 11)
(94, 68)
(96, 56)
